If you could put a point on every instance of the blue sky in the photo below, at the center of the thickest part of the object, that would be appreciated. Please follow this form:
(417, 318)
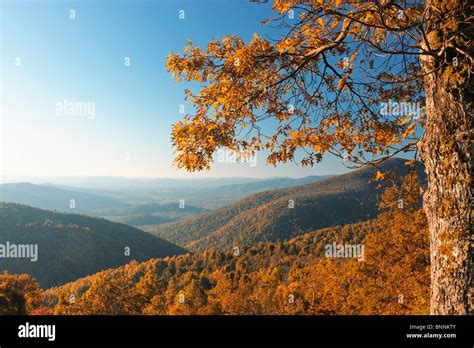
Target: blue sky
(47, 58)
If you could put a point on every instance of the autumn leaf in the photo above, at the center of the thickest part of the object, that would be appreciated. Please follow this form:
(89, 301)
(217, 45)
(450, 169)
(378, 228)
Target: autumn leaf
(405, 120)
(379, 175)
(342, 83)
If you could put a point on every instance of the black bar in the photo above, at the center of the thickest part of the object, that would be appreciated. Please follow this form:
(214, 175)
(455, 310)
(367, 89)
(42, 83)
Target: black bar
(225, 330)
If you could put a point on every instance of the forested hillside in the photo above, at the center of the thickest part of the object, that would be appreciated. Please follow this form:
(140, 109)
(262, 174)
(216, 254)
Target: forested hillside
(71, 246)
(291, 277)
(283, 213)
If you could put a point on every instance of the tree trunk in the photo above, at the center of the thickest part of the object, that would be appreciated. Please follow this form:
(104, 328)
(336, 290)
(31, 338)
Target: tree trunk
(445, 151)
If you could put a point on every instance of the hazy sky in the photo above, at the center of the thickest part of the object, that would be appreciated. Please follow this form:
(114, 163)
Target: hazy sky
(49, 59)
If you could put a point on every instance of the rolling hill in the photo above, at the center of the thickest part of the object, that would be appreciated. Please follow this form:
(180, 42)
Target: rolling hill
(295, 276)
(72, 246)
(205, 193)
(283, 213)
(217, 197)
(55, 198)
(99, 204)
(168, 274)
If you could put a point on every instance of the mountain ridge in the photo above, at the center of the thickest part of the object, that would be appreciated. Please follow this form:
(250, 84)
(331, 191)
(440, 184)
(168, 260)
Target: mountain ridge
(283, 213)
(72, 245)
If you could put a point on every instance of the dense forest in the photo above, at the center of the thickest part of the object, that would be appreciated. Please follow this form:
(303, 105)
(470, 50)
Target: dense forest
(295, 276)
(284, 213)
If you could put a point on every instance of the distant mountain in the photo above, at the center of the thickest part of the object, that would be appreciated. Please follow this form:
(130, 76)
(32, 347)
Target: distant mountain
(55, 198)
(269, 184)
(283, 213)
(225, 194)
(205, 193)
(115, 183)
(72, 246)
(77, 200)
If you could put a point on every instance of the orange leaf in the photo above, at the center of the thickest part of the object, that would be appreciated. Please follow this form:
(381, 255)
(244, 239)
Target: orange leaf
(342, 83)
(379, 175)
(405, 120)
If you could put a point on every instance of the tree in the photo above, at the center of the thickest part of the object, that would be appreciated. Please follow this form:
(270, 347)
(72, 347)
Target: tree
(153, 301)
(19, 294)
(12, 303)
(111, 293)
(394, 279)
(349, 78)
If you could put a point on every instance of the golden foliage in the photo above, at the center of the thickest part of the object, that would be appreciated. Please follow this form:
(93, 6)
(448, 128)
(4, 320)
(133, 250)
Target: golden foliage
(289, 277)
(318, 106)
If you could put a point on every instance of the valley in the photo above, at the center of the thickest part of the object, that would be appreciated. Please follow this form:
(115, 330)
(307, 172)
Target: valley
(189, 253)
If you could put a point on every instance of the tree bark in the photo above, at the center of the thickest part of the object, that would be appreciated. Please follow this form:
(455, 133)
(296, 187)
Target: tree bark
(445, 151)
